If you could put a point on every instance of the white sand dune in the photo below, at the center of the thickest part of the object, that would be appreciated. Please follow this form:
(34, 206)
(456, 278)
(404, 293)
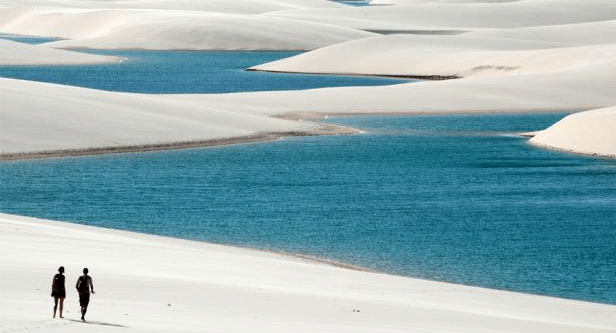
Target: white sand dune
(446, 56)
(213, 31)
(461, 17)
(38, 117)
(171, 29)
(154, 284)
(220, 6)
(590, 133)
(575, 89)
(60, 22)
(592, 33)
(13, 53)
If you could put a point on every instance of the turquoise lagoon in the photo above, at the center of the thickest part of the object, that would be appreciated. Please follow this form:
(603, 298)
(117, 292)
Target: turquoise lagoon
(455, 198)
(173, 72)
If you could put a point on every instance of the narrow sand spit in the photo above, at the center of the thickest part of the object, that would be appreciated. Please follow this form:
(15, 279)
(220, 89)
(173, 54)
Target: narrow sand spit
(154, 284)
(41, 118)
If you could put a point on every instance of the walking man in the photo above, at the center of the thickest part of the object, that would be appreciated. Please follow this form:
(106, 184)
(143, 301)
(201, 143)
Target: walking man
(84, 286)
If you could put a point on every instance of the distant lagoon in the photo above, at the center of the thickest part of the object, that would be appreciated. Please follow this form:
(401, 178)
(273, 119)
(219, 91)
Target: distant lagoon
(173, 72)
(456, 198)
(355, 3)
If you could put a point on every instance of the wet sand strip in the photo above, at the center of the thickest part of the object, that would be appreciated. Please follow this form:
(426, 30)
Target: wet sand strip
(323, 129)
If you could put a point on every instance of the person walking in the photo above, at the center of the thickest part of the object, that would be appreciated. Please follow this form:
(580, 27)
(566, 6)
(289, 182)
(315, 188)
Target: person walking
(58, 291)
(84, 286)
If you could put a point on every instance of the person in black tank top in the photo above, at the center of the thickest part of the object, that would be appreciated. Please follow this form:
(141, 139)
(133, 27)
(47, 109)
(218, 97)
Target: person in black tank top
(58, 291)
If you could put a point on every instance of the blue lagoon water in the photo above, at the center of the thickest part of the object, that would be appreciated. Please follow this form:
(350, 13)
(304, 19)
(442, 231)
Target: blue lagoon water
(185, 72)
(28, 39)
(355, 3)
(453, 198)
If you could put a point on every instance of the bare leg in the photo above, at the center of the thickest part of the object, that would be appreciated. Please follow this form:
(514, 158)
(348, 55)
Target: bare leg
(55, 306)
(61, 306)
(84, 309)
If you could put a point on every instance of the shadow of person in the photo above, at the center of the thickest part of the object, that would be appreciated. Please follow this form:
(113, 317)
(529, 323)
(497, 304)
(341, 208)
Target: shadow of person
(97, 323)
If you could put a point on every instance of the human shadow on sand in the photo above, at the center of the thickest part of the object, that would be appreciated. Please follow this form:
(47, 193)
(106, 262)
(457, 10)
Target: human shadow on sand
(96, 323)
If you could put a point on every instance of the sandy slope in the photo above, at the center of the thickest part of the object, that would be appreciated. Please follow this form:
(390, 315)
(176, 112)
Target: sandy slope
(13, 53)
(592, 33)
(211, 31)
(129, 28)
(590, 133)
(45, 117)
(154, 284)
(461, 16)
(220, 6)
(556, 91)
(458, 56)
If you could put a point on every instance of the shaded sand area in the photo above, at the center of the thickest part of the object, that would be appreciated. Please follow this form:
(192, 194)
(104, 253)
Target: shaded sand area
(154, 284)
(514, 56)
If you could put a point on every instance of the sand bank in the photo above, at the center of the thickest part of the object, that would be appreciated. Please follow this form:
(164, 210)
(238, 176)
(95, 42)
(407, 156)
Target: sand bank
(40, 117)
(155, 284)
(446, 56)
(13, 53)
(588, 133)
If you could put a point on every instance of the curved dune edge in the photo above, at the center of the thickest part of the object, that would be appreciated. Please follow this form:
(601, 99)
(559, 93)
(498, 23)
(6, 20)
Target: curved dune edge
(587, 133)
(38, 118)
(324, 129)
(19, 54)
(447, 57)
(147, 283)
(259, 137)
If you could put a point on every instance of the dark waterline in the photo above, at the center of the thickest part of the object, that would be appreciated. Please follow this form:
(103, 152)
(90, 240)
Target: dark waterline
(453, 198)
(186, 72)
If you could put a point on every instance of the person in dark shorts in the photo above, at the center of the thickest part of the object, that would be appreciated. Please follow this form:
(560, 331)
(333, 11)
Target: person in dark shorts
(84, 286)
(58, 291)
